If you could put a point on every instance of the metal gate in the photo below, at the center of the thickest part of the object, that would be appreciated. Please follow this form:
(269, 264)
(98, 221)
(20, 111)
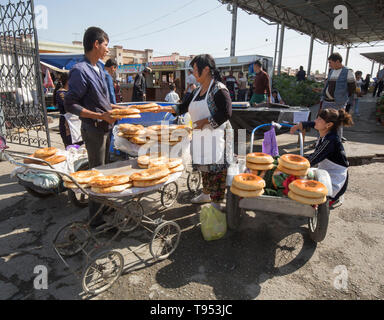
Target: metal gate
(23, 116)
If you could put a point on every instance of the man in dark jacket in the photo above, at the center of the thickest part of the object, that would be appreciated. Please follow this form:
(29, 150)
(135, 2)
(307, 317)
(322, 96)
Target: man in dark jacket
(140, 86)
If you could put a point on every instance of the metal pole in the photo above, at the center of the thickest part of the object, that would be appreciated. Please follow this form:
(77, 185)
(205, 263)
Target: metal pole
(326, 62)
(310, 56)
(39, 80)
(347, 58)
(234, 27)
(281, 48)
(373, 65)
(276, 44)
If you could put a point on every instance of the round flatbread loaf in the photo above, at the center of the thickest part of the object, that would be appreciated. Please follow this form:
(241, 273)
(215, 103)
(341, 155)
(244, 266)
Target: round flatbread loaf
(305, 200)
(45, 153)
(124, 112)
(296, 173)
(151, 174)
(70, 185)
(308, 188)
(114, 189)
(83, 176)
(260, 158)
(294, 162)
(179, 168)
(248, 182)
(109, 181)
(260, 167)
(130, 128)
(174, 162)
(150, 183)
(246, 194)
(54, 160)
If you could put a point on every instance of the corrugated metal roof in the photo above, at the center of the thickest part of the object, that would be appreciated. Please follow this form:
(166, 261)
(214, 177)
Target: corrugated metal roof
(375, 56)
(365, 18)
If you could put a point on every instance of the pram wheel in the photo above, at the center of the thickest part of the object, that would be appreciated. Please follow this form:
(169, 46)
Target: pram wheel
(129, 218)
(78, 199)
(102, 272)
(72, 238)
(318, 225)
(165, 240)
(169, 194)
(194, 181)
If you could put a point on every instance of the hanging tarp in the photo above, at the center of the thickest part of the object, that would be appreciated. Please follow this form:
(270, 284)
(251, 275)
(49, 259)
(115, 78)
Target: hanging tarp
(61, 60)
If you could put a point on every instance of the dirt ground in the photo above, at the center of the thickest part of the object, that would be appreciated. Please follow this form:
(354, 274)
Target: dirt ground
(271, 257)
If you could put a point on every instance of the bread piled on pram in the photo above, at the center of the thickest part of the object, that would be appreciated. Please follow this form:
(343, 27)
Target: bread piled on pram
(49, 155)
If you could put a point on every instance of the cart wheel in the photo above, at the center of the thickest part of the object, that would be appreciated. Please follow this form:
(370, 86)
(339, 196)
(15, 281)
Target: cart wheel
(194, 181)
(318, 225)
(129, 218)
(102, 272)
(80, 200)
(234, 212)
(38, 194)
(165, 240)
(72, 238)
(169, 194)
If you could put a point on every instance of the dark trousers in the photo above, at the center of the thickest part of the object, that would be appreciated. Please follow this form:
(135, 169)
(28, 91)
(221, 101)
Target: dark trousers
(378, 88)
(97, 143)
(242, 94)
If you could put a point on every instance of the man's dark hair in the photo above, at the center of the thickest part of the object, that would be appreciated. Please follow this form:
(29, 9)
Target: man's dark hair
(336, 57)
(110, 63)
(172, 86)
(258, 63)
(301, 68)
(92, 35)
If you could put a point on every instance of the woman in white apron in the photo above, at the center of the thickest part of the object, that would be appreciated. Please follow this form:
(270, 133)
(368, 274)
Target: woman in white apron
(329, 154)
(210, 107)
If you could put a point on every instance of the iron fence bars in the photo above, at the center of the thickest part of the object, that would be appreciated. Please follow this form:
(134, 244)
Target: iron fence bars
(23, 115)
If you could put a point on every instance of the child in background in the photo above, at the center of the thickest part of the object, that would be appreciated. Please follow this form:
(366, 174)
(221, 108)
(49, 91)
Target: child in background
(172, 96)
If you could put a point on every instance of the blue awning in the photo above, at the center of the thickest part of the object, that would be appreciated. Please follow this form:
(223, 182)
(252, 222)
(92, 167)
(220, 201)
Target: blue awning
(61, 60)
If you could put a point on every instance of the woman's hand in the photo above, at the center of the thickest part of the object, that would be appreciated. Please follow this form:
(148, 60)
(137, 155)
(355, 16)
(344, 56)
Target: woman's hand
(199, 125)
(296, 128)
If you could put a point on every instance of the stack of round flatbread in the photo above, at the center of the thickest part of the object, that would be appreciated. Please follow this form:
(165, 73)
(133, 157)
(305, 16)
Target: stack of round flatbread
(127, 113)
(171, 135)
(259, 161)
(149, 107)
(110, 184)
(293, 164)
(248, 185)
(83, 178)
(47, 154)
(175, 165)
(153, 160)
(151, 177)
(308, 192)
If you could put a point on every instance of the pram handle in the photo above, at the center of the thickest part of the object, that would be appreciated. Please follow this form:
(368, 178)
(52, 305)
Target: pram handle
(277, 125)
(9, 157)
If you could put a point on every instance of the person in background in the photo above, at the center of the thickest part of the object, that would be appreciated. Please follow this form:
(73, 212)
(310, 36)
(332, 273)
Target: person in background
(172, 96)
(358, 93)
(261, 86)
(191, 84)
(117, 89)
(140, 86)
(276, 98)
(301, 74)
(231, 82)
(339, 88)
(366, 84)
(110, 67)
(379, 83)
(242, 87)
(58, 100)
(329, 154)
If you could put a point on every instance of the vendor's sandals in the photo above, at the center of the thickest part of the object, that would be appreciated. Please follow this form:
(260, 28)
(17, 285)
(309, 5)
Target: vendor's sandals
(202, 198)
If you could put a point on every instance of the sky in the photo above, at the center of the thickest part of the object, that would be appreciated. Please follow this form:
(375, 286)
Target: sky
(188, 27)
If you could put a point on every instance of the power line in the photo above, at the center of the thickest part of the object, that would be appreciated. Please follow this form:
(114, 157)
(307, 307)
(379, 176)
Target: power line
(172, 26)
(155, 20)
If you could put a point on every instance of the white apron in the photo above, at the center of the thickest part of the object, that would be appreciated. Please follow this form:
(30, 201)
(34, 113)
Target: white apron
(208, 144)
(337, 173)
(74, 124)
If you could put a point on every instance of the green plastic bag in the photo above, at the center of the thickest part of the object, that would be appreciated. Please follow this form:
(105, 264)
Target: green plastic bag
(213, 223)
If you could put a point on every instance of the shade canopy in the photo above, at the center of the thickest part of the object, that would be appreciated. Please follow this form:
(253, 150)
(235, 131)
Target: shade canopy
(317, 17)
(375, 56)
